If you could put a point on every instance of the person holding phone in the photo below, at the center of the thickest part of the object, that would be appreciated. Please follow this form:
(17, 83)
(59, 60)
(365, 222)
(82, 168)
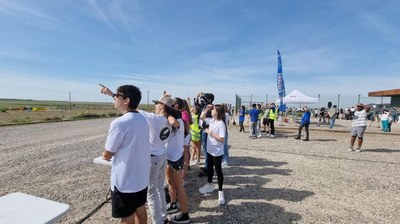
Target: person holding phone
(216, 131)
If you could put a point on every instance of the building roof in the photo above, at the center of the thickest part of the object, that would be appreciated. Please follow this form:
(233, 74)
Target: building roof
(392, 92)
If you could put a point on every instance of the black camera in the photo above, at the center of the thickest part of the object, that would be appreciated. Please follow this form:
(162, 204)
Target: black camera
(202, 100)
(205, 125)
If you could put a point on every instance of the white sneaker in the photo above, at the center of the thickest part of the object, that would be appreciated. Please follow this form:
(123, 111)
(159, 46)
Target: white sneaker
(194, 163)
(272, 136)
(268, 135)
(259, 136)
(207, 188)
(358, 150)
(221, 198)
(351, 149)
(224, 165)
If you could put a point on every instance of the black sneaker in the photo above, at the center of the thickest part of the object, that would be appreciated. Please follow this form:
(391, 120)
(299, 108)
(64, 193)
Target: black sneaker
(172, 208)
(298, 138)
(181, 218)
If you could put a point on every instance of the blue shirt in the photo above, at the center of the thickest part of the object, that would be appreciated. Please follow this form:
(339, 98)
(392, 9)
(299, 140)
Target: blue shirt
(241, 115)
(254, 115)
(306, 117)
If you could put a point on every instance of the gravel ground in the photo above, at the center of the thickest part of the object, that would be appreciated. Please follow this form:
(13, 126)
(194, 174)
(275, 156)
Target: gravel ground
(280, 180)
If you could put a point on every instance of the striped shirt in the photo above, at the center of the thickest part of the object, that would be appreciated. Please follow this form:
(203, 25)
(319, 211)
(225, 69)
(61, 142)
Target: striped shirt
(359, 118)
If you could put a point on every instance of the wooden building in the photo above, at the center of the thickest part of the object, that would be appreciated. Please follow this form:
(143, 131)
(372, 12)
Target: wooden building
(394, 95)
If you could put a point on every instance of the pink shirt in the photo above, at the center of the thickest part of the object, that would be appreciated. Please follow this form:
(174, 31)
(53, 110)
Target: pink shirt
(185, 117)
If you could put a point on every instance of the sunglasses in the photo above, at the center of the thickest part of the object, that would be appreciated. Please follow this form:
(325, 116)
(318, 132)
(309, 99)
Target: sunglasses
(116, 95)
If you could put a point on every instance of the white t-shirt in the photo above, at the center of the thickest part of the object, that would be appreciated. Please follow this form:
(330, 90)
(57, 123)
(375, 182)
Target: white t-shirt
(215, 147)
(160, 131)
(176, 142)
(128, 139)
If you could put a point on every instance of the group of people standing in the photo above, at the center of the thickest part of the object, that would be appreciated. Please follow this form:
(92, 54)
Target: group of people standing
(150, 149)
(259, 117)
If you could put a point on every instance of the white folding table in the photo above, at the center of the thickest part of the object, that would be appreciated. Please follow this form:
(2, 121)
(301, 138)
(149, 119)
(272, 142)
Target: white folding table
(24, 208)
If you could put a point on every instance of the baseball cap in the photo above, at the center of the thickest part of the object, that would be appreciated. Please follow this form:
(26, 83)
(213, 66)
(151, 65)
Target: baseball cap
(166, 100)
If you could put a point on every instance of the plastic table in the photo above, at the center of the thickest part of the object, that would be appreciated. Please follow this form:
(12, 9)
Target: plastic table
(24, 208)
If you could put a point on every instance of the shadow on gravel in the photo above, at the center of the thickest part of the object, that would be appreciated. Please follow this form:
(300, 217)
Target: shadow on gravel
(247, 195)
(244, 161)
(381, 150)
(323, 140)
(248, 212)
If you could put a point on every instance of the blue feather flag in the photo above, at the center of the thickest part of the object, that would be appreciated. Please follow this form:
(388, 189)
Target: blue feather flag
(281, 84)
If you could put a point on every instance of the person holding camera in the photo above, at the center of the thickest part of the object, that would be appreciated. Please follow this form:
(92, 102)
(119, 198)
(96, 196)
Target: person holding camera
(201, 102)
(216, 131)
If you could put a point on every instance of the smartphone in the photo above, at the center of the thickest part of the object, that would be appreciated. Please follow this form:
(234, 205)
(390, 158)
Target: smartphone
(102, 85)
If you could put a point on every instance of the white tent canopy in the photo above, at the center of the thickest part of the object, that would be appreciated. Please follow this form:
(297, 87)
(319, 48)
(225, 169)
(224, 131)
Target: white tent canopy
(297, 97)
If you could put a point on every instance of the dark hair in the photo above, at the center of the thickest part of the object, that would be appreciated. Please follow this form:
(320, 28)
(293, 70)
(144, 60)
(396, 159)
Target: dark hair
(220, 112)
(131, 92)
(178, 101)
(253, 105)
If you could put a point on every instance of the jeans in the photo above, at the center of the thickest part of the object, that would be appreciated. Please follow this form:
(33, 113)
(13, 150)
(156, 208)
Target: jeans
(306, 128)
(155, 193)
(253, 128)
(332, 121)
(204, 147)
(225, 158)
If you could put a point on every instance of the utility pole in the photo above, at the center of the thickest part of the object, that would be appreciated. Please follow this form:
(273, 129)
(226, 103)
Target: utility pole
(338, 101)
(70, 104)
(359, 95)
(148, 99)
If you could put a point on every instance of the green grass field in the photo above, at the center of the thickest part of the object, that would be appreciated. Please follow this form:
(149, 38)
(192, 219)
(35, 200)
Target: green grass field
(16, 111)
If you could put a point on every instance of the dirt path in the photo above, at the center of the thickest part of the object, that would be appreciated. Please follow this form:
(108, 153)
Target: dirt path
(279, 180)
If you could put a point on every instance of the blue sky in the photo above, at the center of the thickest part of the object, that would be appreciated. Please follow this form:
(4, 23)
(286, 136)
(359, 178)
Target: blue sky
(51, 48)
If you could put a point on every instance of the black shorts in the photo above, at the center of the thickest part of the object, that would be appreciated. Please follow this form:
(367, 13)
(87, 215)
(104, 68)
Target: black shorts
(264, 121)
(177, 165)
(125, 204)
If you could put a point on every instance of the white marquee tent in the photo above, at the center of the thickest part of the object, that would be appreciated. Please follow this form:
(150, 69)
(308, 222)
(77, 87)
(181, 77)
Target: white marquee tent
(297, 97)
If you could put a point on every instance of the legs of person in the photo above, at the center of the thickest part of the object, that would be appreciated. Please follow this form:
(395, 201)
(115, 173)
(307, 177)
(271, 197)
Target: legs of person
(171, 185)
(226, 150)
(385, 126)
(299, 131)
(254, 128)
(307, 130)
(352, 141)
(186, 160)
(198, 146)
(193, 151)
(272, 126)
(128, 220)
(210, 168)
(332, 122)
(204, 144)
(180, 190)
(241, 126)
(359, 142)
(155, 193)
(140, 215)
(218, 169)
